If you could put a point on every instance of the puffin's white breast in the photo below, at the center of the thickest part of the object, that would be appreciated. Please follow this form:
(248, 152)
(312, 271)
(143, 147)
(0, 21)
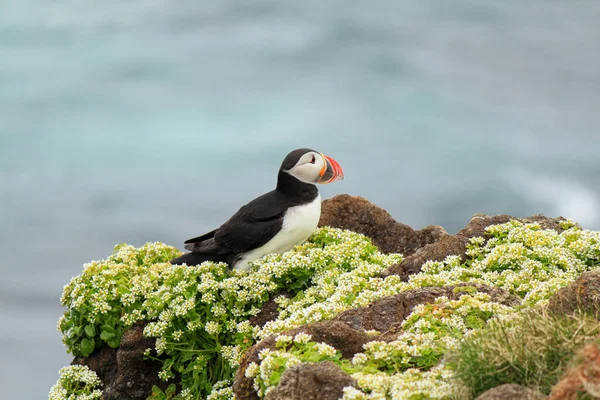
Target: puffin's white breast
(299, 223)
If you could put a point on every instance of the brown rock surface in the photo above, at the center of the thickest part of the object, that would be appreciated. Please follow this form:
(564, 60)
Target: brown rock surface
(478, 223)
(438, 251)
(124, 371)
(583, 294)
(335, 333)
(103, 362)
(269, 311)
(511, 391)
(360, 215)
(347, 331)
(388, 313)
(312, 381)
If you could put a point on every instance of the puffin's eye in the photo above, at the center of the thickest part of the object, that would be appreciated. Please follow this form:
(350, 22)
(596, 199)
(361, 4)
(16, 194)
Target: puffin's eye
(312, 160)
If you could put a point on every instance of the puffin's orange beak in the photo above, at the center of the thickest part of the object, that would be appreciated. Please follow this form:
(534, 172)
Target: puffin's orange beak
(331, 171)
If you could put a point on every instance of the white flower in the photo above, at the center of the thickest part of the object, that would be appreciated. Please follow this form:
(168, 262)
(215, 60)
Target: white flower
(78, 377)
(212, 327)
(359, 358)
(325, 350)
(282, 340)
(302, 338)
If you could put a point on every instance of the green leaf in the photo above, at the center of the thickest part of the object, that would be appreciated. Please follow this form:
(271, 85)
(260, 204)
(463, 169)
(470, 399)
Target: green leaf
(77, 330)
(87, 347)
(157, 394)
(171, 390)
(275, 378)
(90, 330)
(474, 322)
(106, 336)
(108, 328)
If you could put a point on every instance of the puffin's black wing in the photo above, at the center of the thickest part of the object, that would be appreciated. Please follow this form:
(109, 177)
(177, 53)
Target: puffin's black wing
(197, 242)
(254, 224)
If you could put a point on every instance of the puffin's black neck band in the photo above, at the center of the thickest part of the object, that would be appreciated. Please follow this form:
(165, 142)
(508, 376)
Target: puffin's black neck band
(298, 191)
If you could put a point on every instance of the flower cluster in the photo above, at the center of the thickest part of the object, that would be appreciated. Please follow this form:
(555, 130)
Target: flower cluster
(412, 384)
(391, 369)
(290, 351)
(523, 259)
(346, 278)
(199, 314)
(76, 382)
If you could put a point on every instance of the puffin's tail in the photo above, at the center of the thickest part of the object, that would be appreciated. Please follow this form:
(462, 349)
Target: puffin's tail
(198, 258)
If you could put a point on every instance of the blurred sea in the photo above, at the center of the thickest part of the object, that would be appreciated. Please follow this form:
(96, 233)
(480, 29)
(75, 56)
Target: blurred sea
(134, 121)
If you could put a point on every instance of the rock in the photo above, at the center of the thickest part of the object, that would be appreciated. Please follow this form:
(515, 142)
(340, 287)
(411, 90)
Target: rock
(478, 223)
(124, 371)
(438, 251)
(583, 294)
(456, 245)
(347, 333)
(103, 362)
(511, 391)
(582, 378)
(269, 311)
(335, 333)
(360, 215)
(386, 315)
(312, 381)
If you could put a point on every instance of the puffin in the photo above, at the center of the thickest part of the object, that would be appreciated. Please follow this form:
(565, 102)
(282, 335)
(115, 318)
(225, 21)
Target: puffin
(274, 222)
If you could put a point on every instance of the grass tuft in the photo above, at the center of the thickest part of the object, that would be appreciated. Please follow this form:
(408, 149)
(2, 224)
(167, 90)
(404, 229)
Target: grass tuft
(531, 350)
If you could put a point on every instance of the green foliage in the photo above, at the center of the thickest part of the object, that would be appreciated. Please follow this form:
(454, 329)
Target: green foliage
(428, 333)
(524, 259)
(290, 351)
(159, 394)
(530, 349)
(199, 314)
(94, 299)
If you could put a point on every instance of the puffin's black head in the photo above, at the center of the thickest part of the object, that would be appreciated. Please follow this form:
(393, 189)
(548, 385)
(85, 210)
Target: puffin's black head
(310, 166)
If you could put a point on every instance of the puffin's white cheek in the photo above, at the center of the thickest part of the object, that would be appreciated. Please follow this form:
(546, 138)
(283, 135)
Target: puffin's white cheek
(307, 173)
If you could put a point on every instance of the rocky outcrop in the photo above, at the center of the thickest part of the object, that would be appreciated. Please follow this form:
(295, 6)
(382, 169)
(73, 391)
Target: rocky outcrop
(269, 310)
(457, 245)
(511, 391)
(582, 295)
(125, 372)
(360, 215)
(386, 315)
(310, 381)
(347, 333)
(335, 333)
(448, 245)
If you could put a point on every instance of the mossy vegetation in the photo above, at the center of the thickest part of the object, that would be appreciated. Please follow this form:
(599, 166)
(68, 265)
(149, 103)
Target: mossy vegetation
(531, 349)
